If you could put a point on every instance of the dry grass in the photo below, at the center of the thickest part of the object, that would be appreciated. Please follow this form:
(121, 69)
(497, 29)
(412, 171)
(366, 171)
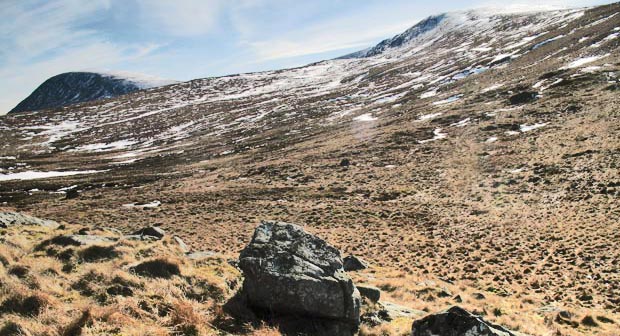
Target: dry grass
(96, 290)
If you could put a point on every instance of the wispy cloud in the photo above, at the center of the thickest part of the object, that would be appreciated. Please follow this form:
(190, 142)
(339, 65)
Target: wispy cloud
(180, 18)
(47, 38)
(185, 39)
(359, 28)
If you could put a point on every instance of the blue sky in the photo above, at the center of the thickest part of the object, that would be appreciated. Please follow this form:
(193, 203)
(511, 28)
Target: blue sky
(187, 39)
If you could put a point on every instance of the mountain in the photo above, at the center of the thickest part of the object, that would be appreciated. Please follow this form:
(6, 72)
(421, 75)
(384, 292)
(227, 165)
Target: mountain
(76, 87)
(429, 24)
(474, 161)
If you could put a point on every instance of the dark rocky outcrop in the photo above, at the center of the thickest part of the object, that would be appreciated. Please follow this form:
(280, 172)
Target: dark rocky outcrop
(353, 263)
(457, 321)
(152, 231)
(289, 272)
(424, 26)
(523, 98)
(15, 218)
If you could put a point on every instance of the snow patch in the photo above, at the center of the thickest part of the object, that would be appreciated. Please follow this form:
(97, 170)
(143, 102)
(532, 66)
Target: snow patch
(153, 204)
(448, 100)
(583, 61)
(438, 136)
(34, 175)
(492, 88)
(106, 147)
(462, 123)
(526, 128)
(365, 117)
(428, 94)
(429, 116)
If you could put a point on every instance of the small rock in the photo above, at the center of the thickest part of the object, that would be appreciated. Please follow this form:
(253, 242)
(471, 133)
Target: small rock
(372, 319)
(444, 293)
(457, 321)
(478, 296)
(141, 238)
(181, 244)
(72, 194)
(152, 231)
(353, 263)
(372, 293)
(8, 219)
(80, 240)
(392, 311)
(200, 255)
(523, 98)
(345, 162)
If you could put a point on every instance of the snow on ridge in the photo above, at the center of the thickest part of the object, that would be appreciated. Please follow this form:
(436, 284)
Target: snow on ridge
(105, 147)
(143, 81)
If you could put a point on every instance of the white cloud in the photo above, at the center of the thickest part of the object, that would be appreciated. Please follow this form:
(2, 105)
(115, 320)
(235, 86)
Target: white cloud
(181, 18)
(42, 41)
(321, 37)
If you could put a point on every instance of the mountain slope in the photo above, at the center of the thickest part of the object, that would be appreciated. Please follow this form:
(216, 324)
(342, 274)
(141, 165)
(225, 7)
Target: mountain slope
(76, 87)
(482, 153)
(399, 40)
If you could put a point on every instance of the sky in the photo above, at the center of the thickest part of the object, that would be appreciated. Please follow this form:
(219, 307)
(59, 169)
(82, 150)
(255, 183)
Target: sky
(188, 39)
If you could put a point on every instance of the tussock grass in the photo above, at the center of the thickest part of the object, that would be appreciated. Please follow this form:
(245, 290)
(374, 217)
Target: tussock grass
(121, 288)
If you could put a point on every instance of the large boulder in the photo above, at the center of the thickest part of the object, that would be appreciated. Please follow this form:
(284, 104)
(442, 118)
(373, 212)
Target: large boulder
(457, 321)
(8, 219)
(289, 272)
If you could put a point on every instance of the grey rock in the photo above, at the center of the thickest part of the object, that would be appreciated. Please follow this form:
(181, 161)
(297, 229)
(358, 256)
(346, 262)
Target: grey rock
(478, 296)
(181, 244)
(141, 238)
(291, 272)
(152, 231)
(8, 219)
(392, 311)
(353, 263)
(201, 255)
(80, 240)
(457, 321)
(372, 293)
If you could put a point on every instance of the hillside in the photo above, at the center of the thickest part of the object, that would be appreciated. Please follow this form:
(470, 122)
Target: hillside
(77, 87)
(477, 154)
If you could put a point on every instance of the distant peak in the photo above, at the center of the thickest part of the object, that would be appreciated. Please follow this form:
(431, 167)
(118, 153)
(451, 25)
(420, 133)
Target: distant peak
(77, 87)
(422, 27)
